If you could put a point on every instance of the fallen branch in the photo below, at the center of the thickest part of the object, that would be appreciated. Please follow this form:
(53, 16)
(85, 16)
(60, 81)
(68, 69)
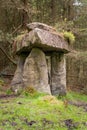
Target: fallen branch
(8, 56)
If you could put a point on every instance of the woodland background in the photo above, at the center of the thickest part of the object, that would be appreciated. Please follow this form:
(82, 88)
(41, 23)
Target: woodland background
(64, 15)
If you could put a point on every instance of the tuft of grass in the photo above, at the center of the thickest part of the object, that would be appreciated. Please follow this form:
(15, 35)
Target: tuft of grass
(8, 91)
(1, 85)
(1, 82)
(51, 99)
(69, 36)
(30, 91)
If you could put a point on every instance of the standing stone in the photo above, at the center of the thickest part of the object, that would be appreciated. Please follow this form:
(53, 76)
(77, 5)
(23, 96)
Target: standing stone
(35, 72)
(17, 82)
(58, 74)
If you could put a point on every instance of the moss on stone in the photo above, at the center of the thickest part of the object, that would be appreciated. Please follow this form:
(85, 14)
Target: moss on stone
(20, 36)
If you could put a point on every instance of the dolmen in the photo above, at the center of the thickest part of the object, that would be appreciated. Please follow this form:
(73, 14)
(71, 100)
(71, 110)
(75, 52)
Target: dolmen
(41, 60)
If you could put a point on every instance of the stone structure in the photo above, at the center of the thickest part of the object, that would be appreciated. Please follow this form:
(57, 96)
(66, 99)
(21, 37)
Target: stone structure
(41, 61)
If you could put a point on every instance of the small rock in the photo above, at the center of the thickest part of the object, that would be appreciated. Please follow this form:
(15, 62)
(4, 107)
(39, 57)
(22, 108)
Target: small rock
(19, 103)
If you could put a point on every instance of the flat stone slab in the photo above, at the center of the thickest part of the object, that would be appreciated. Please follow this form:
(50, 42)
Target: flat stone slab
(41, 38)
(43, 26)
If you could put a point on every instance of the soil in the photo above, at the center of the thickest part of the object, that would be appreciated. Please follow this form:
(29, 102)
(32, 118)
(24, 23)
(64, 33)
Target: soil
(4, 96)
(70, 124)
(79, 104)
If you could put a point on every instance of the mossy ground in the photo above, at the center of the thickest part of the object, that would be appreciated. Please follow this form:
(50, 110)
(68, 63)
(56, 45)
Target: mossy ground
(35, 112)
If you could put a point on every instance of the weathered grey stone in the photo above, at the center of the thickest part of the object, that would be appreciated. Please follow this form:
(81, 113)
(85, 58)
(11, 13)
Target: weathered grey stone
(46, 40)
(58, 74)
(35, 73)
(43, 26)
(17, 82)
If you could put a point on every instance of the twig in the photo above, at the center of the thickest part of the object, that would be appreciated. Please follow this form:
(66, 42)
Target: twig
(17, 29)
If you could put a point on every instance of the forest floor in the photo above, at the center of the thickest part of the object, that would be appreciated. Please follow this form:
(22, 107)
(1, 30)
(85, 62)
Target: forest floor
(37, 111)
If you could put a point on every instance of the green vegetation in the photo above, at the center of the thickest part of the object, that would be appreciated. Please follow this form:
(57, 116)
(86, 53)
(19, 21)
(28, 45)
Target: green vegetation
(29, 90)
(8, 92)
(74, 96)
(42, 112)
(69, 36)
(1, 85)
(1, 82)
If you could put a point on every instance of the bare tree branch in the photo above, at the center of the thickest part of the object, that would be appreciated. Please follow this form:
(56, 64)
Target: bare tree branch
(17, 29)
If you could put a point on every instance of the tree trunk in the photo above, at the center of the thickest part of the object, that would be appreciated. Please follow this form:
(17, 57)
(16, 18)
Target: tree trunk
(25, 12)
(52, 10)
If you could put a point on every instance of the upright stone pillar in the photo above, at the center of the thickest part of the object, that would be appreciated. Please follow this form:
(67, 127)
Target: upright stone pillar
(58, 74)
(17, 82)
(35, 73)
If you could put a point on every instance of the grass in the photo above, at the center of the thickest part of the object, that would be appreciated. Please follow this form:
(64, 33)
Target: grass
(76, 96)
(34, 112)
